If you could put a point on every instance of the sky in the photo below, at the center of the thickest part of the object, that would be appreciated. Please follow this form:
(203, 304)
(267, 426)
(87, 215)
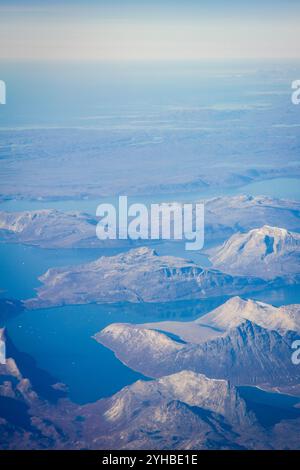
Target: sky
(156, 30)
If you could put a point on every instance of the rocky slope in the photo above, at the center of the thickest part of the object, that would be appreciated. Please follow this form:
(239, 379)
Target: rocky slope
(139, 275)
(266, 252)
(31, 417)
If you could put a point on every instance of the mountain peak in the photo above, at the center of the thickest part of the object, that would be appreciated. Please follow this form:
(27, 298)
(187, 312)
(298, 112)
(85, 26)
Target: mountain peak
(189, 387)
(236, 311)
(267, 252)
(143, 251)
(270, 230)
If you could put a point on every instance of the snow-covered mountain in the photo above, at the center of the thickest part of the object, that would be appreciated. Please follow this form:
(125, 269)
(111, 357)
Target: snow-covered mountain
(229, 315)
(236, 310)
(139, 275)
(49, 228)
(224, 216)
(267, 252)
(194, 389)
(245, 342)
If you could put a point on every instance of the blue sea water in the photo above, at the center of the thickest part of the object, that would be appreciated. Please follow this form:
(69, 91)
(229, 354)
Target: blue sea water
(60, 340)
(21, 265)
(282, 188)
(270, 408)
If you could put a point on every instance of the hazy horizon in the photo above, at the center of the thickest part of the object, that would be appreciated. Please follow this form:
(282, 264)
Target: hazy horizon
(139, 31)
